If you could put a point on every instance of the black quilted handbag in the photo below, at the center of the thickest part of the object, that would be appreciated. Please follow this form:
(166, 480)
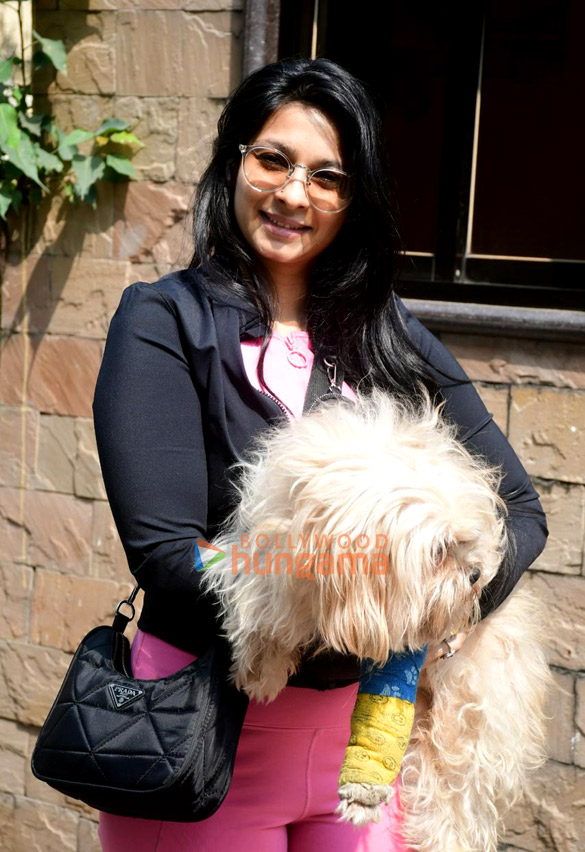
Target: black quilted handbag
(157, 749)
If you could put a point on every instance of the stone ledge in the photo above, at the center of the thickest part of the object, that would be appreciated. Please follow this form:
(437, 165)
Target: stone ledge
(505, 321)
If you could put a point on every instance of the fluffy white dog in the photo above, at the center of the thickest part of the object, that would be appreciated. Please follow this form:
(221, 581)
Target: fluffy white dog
(368, 529)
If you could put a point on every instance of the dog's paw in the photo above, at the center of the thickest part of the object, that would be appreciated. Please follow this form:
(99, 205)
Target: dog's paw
(261, 687)
(361, 803)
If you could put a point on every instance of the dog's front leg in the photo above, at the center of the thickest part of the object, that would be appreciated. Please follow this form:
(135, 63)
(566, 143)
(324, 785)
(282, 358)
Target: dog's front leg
(262, 666)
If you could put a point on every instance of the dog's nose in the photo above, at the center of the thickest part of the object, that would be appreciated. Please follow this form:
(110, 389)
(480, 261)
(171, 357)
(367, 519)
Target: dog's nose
(474, 576)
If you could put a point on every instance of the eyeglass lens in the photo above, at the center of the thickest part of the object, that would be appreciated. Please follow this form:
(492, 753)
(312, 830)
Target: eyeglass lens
(267, 170)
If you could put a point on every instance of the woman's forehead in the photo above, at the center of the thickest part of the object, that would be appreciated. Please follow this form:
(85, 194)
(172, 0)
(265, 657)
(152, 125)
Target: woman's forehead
(300, 131)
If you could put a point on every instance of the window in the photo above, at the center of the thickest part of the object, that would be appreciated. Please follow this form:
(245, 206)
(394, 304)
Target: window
(485, 126)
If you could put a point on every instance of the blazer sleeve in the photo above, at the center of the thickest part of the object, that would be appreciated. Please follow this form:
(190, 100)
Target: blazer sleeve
(526, 521)
(147, 418)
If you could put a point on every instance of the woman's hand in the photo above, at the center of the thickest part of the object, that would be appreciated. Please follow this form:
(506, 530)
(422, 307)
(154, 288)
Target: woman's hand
(437, 650)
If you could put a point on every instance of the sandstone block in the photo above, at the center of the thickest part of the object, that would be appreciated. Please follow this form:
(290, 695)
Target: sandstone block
(497, 401)
(519, 361)
(85, 292)
(88, 475)
(15, 595)
(13, 756)
(66, 607)
(60, 531)
(565, 601)
(155, 122)
(15, 351)
(561, 716)
(90, 42)
(197, 129)
(63, 228)
(57, 446)
(31, 678)
(13, 533)
(18, 444)
(108, 558)
(75, 110)
(31, 826)
(565, 510)
(552, 817)
(87, 837)
(580, 723)
(211, 5)
(143, 5)
(546, 429)
(203, 61)
(63, 375)
(149, 272)
(26, 294)
(151, 223)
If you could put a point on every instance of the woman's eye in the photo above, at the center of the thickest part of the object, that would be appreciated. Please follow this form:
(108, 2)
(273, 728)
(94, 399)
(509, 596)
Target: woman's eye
(328, 180)
(272, 161)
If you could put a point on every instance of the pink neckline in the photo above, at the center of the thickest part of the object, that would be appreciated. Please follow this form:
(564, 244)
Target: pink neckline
(290, 334)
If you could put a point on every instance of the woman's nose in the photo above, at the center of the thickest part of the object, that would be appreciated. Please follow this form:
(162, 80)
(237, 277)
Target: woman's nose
(294, 193)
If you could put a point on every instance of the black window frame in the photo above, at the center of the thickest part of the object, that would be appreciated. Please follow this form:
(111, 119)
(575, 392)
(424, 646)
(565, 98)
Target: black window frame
(476, 302)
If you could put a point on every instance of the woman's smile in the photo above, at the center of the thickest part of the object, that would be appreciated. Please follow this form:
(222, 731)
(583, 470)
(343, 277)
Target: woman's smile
(283, 227)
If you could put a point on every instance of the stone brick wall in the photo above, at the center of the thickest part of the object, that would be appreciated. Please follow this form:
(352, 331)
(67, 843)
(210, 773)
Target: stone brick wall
(168, 65)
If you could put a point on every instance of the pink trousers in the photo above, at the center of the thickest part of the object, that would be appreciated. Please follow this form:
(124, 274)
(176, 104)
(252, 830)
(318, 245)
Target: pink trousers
(283, 793)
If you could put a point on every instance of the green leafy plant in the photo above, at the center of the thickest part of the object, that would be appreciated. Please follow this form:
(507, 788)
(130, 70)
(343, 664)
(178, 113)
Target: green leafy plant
(36, 155)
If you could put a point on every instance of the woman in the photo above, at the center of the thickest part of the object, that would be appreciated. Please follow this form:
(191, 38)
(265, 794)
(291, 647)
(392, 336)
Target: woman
(293, 233)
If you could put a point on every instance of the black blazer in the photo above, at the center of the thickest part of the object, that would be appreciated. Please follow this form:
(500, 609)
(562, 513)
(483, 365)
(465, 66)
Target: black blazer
(173, 409)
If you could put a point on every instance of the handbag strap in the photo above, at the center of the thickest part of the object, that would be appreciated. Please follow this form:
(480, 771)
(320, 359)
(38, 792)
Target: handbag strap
(121, 621)
(325, 381)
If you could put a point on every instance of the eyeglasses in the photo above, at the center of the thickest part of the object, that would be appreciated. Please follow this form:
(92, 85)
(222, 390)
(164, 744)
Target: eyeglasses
(268, 170)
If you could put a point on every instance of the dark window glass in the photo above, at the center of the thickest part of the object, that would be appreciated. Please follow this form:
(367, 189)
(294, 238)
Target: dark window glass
(482, 106)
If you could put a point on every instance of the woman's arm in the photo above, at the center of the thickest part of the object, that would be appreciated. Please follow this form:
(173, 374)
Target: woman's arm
(526, 522)
(148, 426)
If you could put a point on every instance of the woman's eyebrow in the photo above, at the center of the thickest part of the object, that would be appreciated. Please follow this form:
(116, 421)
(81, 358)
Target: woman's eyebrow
(290, 153)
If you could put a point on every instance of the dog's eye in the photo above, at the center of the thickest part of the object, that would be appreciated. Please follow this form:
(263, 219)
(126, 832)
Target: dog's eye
(474, 576)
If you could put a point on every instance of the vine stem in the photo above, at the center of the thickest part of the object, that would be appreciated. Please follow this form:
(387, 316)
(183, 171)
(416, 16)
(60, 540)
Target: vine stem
(21, 42)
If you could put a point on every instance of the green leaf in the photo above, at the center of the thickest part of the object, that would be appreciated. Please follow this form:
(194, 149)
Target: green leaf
(76, 137)
(54, 49)
(122, 165)
(47, 161)
(32, 123)
(6, 198)
(127, 140)
(17, 94)
(87, 170)
(9, 195)
(8, 125)
(110, 125)
(22, 154)
(66, 152)
(6, 70)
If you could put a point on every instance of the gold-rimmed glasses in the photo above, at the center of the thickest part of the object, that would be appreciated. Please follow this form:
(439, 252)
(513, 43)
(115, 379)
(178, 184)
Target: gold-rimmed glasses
(268, 170)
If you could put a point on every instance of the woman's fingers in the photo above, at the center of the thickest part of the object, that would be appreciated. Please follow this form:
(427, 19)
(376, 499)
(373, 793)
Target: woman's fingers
(447, 647)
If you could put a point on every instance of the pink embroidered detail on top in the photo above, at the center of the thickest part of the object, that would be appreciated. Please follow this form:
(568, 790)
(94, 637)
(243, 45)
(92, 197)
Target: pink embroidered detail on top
(287, 367)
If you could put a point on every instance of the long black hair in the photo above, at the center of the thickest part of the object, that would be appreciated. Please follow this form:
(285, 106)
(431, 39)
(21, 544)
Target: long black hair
(351, 308)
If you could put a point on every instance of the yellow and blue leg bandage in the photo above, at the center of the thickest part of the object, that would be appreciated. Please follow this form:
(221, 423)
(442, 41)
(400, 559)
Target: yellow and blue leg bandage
(382, 719)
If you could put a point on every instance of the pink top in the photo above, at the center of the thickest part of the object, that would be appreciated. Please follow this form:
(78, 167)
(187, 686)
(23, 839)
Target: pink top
(287, 367)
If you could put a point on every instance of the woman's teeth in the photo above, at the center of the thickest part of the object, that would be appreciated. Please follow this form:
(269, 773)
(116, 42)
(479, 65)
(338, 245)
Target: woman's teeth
(280, 224)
